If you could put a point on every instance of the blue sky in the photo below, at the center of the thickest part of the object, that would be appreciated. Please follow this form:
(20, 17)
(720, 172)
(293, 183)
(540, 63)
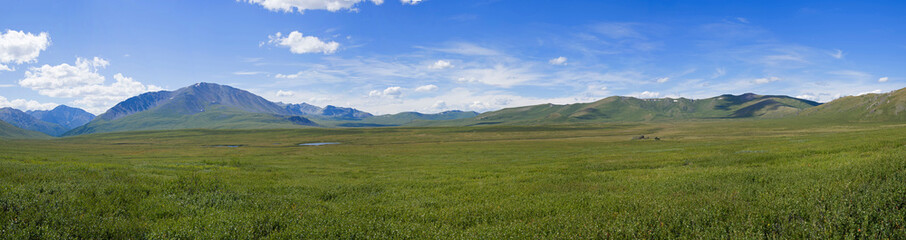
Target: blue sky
(434, 55)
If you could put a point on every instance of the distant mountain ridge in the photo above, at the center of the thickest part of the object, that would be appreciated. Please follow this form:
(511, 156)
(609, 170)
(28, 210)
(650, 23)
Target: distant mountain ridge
(26, 121)
(209, 105)
(330, 111)
(65, 116)
(630, 109)
(201, 105)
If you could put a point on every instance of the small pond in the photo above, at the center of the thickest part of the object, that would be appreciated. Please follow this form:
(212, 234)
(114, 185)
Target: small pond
(318, 144)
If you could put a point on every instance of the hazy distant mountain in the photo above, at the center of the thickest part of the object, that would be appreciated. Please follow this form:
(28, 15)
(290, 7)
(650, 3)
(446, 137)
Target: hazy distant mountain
(868, 107)
(9, 131)
(65, 116)
(202, 105)
(303, 109)
(25, 121)
(404, 118)
(630, 109)
(331, 112)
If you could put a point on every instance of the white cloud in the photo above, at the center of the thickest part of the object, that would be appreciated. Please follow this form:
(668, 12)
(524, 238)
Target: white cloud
(498, 76)
(302, 5)
(59, 80)
(467, 49)
(854, 75)
(663, 79)
(441, 64)
(883, 79)
(439, 105)
(281, 93)
(808, 97)
(411, 2)
(300, 44)
(876, 91)
(558, 61)
(765, 80)
(244, 73)
(82, 82)
(647, 94)
(19, 47)
(426, 88)
(742, 20)
(719, 72)
(26, 105)
(618, 30)
(391, 92)
(838, 54)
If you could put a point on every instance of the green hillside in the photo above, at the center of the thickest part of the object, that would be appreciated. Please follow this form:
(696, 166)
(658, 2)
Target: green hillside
(629, 109)
(868, 107)
(9, 131)
(214, 117)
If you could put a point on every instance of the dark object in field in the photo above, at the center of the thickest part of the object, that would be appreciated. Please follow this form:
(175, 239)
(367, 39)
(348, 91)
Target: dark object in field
(642, 137)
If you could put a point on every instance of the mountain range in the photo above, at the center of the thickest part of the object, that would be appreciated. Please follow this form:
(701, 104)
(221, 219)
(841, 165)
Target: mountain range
(51, 122)
(214, 106)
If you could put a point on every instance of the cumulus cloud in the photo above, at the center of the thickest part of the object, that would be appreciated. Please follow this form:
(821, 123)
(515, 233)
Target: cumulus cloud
(411, 2)
(281, 93)
(883, 79)
(647, 94)
(60, 80)
(302, 5)
(299, 44)
(766, 80)
(663, 79)
(82, 82)
(18, 47)
(426, 88)
(441, 64)
(558, 61)
(391, 92)
(25, 105)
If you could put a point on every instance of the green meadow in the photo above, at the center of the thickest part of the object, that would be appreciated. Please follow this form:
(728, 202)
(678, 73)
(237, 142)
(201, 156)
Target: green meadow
(734, 179)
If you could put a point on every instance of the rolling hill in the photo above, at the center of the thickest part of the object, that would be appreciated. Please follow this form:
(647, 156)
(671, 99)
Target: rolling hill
(202, 105)
(871, 107)
(9, 131)
(630, 109)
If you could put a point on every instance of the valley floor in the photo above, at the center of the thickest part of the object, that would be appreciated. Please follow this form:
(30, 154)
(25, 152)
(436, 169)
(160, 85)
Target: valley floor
(737, 179)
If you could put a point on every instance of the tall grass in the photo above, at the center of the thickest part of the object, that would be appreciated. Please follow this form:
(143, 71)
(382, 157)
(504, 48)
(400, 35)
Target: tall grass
(706, 179)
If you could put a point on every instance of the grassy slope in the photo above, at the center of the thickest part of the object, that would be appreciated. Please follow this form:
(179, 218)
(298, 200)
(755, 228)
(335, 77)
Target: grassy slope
(628, 109)
(212, 118)
(712, 179)
(9, 131)
(884, 107)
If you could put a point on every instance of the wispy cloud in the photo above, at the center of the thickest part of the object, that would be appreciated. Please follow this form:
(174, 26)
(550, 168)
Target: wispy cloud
(837, 54)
